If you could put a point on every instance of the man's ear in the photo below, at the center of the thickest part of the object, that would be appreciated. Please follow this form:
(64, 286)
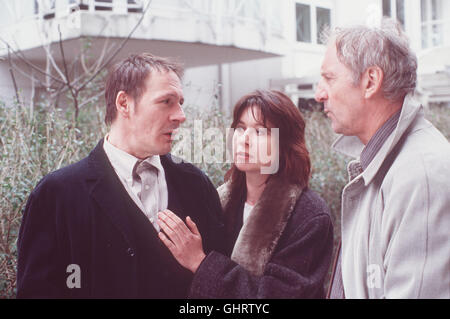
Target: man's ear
(373, 80)
(123, 104)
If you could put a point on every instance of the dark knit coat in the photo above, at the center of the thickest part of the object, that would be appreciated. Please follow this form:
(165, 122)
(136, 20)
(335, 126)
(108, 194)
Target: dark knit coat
(283, 250)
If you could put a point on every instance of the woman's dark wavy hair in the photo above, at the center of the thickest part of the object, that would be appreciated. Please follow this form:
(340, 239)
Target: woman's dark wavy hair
(277, 111)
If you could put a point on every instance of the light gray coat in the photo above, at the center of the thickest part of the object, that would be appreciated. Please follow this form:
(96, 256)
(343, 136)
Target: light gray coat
(396, 214)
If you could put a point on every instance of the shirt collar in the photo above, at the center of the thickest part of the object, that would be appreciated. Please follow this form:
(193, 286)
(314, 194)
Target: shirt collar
(373, 146)
(352, 146)
(124, 162)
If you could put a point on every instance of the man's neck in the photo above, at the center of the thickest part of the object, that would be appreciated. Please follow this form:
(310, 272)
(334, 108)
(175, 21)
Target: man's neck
(122, 142)
(379, 112)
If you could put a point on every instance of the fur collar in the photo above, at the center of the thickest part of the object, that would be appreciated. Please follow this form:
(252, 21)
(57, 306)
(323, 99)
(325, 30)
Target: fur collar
(263, 228)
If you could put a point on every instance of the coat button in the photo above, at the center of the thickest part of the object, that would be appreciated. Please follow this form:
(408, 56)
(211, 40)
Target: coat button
(130, 252)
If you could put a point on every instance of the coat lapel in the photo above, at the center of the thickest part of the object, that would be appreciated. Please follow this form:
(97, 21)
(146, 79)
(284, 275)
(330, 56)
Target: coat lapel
(174, 203)
(263, 228)
(108, 192)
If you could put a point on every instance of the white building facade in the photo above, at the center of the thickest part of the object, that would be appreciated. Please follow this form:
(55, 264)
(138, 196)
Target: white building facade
(229, 47)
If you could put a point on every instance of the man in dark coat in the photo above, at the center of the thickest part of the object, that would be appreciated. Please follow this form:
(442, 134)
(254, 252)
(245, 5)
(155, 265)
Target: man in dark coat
(89, 229)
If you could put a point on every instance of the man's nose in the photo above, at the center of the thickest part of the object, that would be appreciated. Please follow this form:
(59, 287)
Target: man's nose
(320, 95)
(178, 115)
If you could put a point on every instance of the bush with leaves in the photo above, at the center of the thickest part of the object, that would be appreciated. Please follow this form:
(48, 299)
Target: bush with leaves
(35, 143)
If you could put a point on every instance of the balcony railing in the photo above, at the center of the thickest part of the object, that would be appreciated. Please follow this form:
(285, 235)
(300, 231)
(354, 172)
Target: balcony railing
(110, 5)
(263, 13)
(49, 9)
(221, 22)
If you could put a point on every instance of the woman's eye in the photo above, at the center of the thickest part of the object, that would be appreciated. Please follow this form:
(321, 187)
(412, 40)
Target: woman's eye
(261, 131)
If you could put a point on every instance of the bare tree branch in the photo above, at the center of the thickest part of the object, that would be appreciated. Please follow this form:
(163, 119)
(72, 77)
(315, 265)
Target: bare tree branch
(120, 47)
(21, 57)
(90, 99)
(73, 91)
(13, 78)
(66, 77)
(52, 61)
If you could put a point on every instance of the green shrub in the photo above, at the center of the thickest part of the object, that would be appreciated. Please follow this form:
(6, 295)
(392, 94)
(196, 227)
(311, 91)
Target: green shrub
(32, 145)
(35, 143)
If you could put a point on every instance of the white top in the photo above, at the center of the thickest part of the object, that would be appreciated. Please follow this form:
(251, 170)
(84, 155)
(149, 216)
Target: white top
(247, 209)
(123, 164)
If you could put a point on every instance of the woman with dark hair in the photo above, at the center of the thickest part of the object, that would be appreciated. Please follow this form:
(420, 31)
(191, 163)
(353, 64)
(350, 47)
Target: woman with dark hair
(279, 232)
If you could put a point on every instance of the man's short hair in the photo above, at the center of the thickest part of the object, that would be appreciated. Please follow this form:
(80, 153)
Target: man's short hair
(387, 47)
(130, 75)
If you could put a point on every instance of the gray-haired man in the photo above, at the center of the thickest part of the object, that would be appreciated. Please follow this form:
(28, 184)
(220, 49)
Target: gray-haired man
(396, 206)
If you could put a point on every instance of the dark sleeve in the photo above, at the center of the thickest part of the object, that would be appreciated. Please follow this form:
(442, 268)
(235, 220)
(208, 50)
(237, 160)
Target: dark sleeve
(40, 273)
(297, 269)
(214, 239)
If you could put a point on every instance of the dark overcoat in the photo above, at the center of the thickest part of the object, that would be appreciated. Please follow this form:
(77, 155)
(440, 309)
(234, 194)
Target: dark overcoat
(82, 215)
(283, 250)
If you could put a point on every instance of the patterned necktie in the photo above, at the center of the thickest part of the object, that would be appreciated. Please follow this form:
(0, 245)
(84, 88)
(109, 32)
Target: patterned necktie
(149, 193)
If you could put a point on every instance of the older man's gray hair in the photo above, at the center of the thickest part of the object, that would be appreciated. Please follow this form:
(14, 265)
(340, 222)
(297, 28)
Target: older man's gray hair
(387, 47)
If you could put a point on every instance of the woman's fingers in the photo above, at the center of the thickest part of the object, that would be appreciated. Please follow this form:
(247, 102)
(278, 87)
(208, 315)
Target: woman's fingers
(184, 242)
(192, 226)
(174, 222)
(167, 242)
(175, 229)
(169, 231)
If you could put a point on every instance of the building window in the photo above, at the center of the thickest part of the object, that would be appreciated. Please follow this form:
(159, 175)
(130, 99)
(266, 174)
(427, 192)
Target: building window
(323, 17)
(303, 13)
(311, 20)
(46, 8)
(433, 22)
(395, 9)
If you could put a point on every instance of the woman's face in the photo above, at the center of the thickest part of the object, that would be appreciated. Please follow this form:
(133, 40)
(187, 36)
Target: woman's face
(255, 146)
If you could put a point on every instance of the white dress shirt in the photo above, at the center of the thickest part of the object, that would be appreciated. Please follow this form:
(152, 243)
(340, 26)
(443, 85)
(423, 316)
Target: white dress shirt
(123, 164)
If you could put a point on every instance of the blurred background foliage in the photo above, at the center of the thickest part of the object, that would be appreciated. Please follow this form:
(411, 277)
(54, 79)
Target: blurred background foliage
(35, 141)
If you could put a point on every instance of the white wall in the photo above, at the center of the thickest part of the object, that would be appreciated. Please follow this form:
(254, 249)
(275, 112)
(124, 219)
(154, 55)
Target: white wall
(235, 79)
(351, 12)
(252, 75)
(200, 85)
(13, 11)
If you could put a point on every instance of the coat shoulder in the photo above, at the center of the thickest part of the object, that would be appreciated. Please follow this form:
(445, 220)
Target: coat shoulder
(186, 169)
(422, 160)
(67, 176)
(309, 206)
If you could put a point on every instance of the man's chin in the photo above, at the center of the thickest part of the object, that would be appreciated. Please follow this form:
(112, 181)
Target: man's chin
(335, 128)
(165, 149)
